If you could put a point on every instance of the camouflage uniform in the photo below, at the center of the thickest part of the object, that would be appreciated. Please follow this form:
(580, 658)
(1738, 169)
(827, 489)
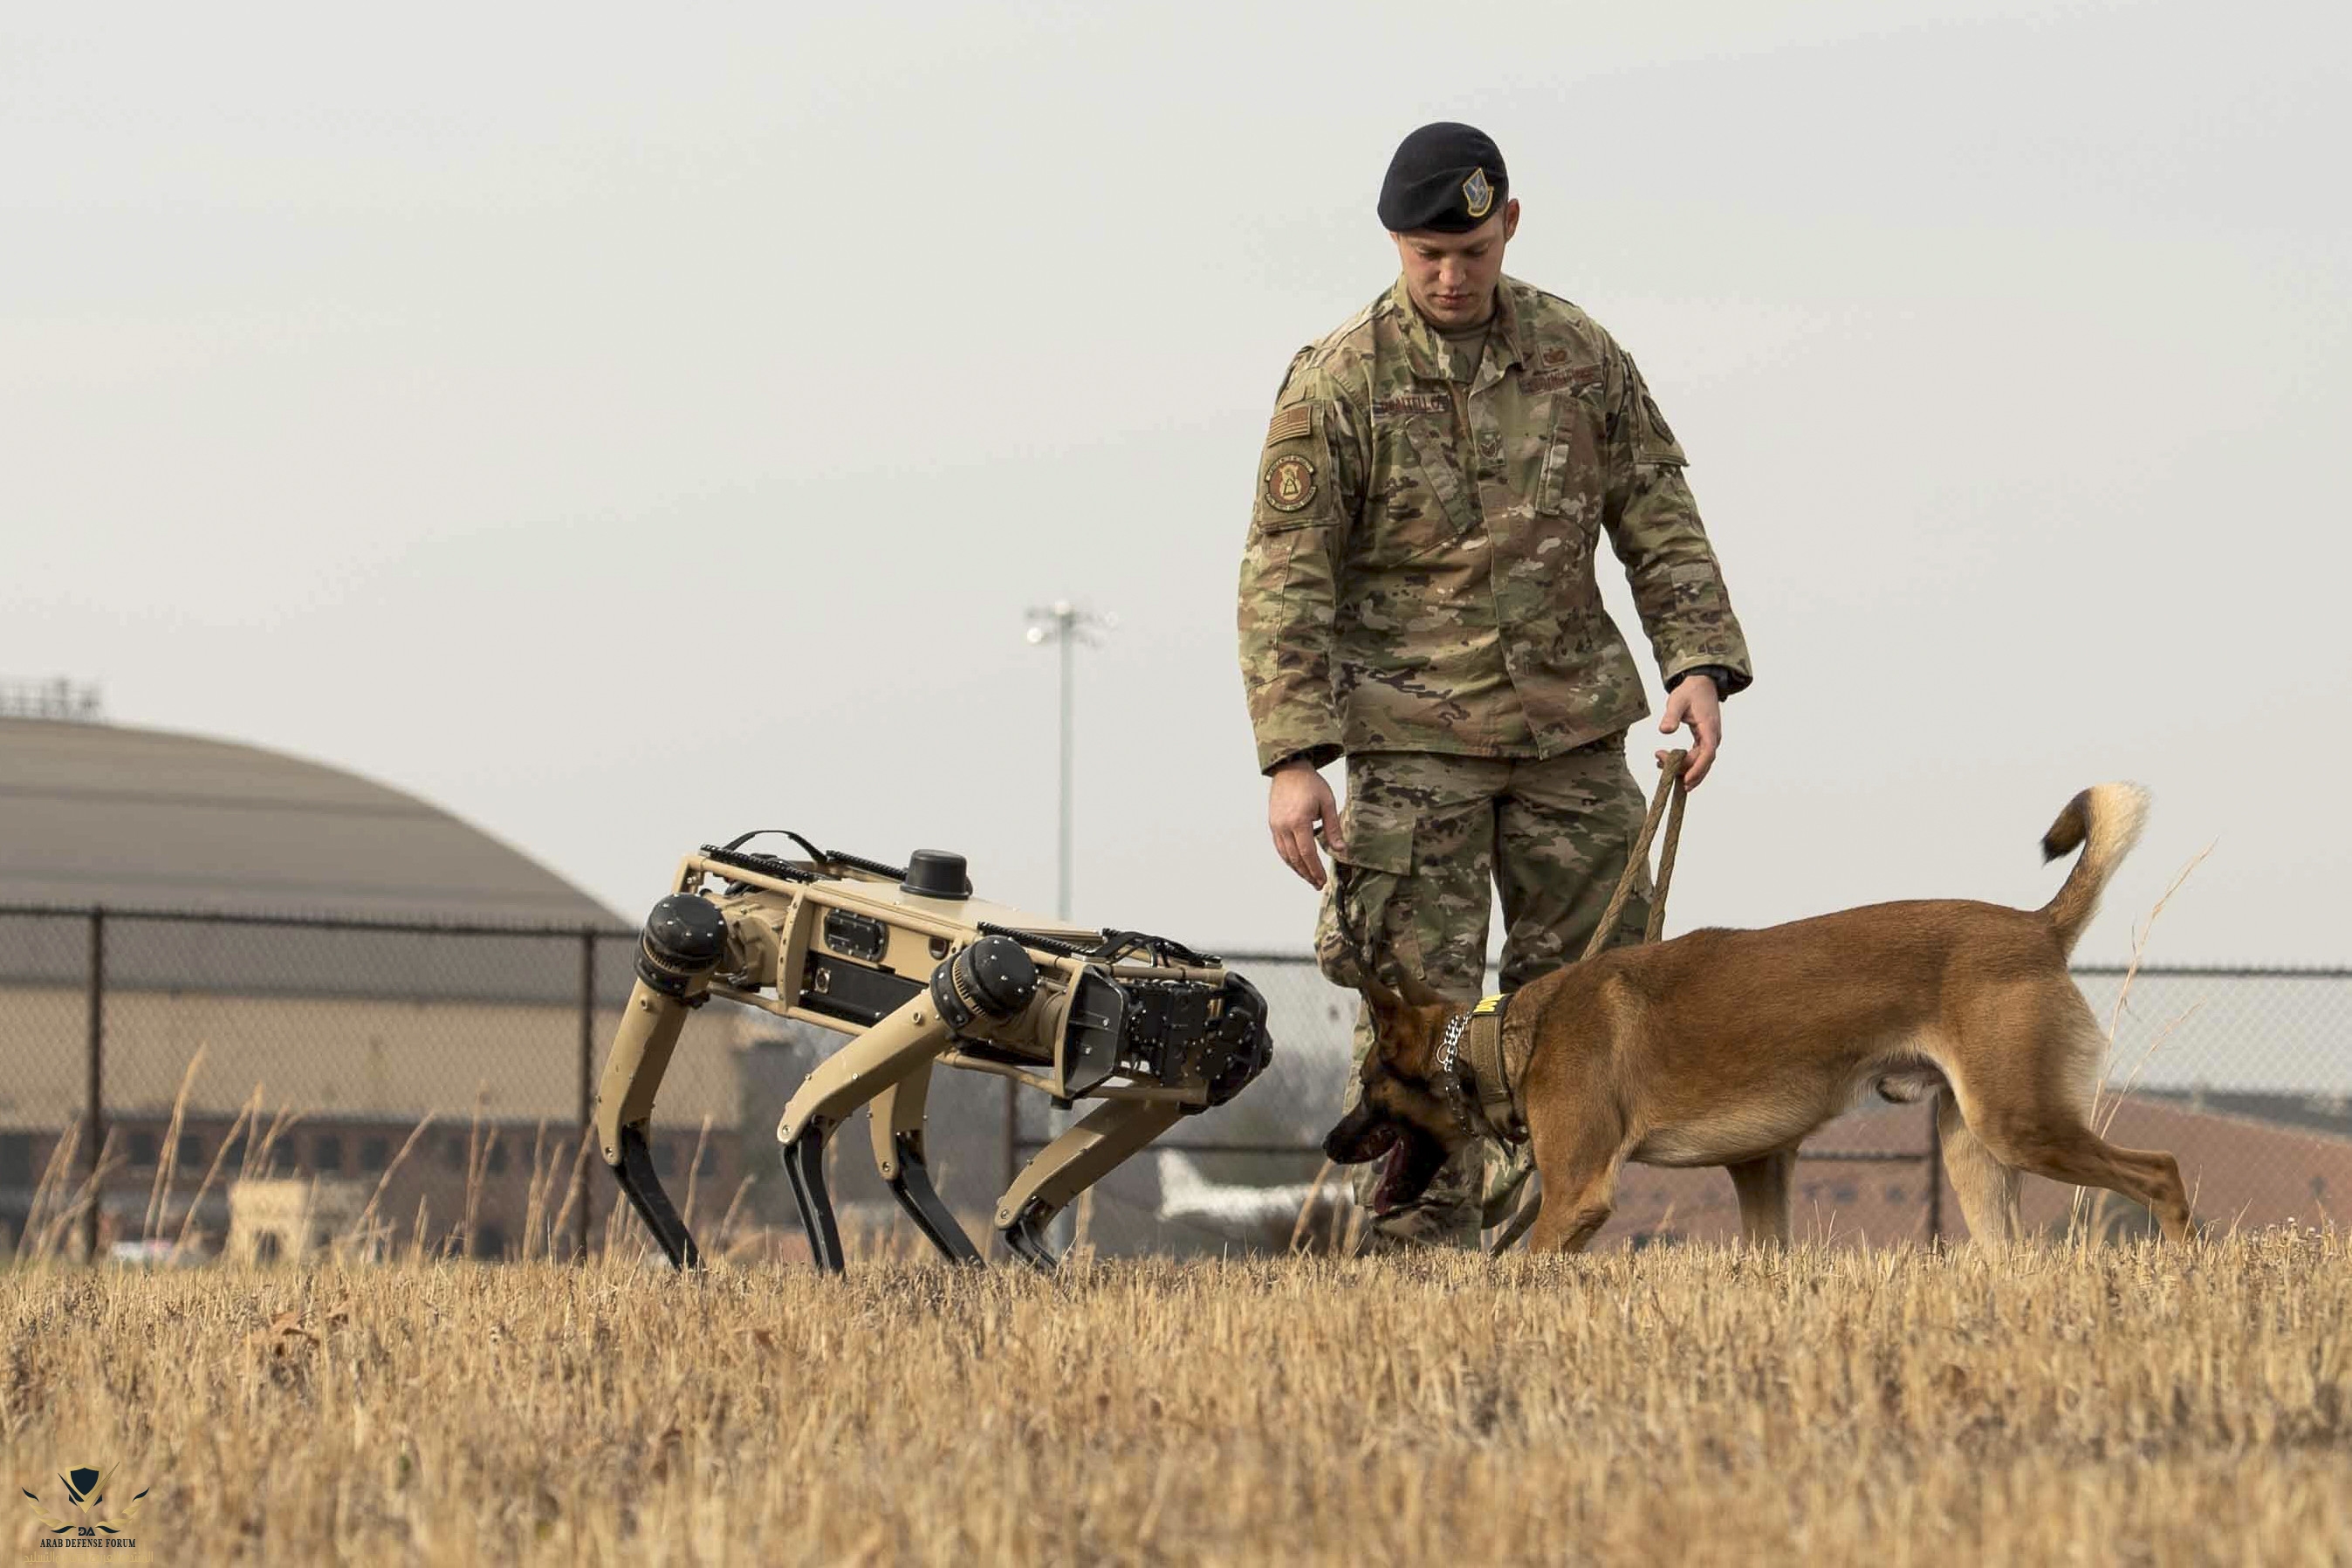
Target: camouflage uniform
(1418, 595)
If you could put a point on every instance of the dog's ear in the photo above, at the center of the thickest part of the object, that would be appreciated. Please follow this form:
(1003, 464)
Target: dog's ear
(1418, 993)
(1389, 1017)
(1386, 1003)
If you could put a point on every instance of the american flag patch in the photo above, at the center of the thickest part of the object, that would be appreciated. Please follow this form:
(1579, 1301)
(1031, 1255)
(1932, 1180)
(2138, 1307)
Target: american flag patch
(1290, 424)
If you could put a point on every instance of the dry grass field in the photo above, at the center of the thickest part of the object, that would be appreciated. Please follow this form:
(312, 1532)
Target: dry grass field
(2125, 1405)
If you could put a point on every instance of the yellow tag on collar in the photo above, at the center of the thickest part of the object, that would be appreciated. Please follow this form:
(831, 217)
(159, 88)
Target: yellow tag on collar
(1486, 1005)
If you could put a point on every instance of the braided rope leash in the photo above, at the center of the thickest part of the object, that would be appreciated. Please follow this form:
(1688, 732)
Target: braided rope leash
(1671, 792)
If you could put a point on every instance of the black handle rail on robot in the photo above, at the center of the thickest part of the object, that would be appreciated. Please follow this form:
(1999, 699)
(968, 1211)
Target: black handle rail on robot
(923, 974)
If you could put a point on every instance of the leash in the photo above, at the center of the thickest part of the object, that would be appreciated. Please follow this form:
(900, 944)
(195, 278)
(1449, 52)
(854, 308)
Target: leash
(1671, 793)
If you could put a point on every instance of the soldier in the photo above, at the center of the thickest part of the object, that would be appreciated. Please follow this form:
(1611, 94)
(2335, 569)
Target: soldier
(1417, 596)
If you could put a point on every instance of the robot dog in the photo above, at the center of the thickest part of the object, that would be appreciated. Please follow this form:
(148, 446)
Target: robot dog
(923, 974)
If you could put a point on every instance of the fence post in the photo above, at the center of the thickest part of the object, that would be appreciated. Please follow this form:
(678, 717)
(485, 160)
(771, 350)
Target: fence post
(580, 1184)
(95, 1118)
(1935, 1169)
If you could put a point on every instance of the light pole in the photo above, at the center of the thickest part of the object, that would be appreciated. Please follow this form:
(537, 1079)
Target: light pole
(1066, 626)
(1063, 625)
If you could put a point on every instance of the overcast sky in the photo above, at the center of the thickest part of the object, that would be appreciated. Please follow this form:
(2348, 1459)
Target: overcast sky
(629, 429)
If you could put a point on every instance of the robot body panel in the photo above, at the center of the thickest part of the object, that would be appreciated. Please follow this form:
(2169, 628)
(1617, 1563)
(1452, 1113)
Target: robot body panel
(921, 978)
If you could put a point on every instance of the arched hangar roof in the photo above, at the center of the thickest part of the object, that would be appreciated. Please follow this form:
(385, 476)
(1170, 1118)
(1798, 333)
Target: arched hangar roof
(99, 813)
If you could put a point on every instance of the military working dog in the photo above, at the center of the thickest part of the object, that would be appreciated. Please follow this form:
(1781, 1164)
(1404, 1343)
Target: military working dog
(1730, 1048)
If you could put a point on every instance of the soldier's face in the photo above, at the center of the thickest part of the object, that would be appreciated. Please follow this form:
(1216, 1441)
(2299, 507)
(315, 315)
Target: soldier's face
(1451, 278)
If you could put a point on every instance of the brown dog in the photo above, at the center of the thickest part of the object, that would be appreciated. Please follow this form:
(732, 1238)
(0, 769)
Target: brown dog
(1730, 1048)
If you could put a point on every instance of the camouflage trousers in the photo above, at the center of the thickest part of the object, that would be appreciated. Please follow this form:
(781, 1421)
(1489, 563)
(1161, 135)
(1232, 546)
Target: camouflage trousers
(1431, 840)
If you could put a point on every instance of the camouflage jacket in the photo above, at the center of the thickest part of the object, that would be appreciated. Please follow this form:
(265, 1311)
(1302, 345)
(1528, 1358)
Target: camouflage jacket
(1419, 575)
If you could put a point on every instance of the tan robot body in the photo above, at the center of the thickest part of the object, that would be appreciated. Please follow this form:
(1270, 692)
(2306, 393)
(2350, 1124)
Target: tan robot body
(923, 974)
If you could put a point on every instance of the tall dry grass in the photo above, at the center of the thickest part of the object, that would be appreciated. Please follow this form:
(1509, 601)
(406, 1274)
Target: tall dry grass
(2091, 1207)
(2064, 1404)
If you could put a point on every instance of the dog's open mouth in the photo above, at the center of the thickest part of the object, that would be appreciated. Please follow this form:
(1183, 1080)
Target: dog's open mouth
(1409, 1157)
(1409, 1160)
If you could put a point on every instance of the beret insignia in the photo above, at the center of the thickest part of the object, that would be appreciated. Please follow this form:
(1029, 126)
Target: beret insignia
(1289, 483)
(1477, 194)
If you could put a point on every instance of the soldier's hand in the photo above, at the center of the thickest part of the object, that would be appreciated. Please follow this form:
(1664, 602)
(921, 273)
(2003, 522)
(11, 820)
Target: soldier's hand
(1693, 702)
(1296, 804)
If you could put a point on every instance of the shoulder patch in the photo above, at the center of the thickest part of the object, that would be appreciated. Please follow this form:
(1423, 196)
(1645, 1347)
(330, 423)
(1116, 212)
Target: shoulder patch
(1290, 424)
(1289, 483)
(1659, 428)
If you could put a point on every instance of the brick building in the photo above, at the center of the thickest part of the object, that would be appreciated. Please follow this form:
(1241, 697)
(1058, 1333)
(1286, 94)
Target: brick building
(2248, 1158)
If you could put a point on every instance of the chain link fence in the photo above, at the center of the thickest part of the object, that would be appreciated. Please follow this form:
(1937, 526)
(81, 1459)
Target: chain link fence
(180, 1086)
(174, 1086)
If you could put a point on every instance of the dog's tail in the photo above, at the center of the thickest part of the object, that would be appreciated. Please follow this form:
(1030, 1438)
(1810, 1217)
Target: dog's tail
(2104, 823)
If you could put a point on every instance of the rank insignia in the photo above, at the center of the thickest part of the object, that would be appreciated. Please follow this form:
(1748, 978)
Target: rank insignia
(1478, 193)
(1289, 483)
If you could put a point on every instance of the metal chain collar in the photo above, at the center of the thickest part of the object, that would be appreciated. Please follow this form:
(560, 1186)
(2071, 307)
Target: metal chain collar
(1449, 1071)
(1468, 1117)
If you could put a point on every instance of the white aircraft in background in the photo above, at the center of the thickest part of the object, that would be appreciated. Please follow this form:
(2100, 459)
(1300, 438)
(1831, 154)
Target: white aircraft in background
(1265, 1215)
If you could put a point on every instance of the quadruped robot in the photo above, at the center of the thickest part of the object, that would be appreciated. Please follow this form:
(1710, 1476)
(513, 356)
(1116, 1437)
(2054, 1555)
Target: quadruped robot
(923, 974)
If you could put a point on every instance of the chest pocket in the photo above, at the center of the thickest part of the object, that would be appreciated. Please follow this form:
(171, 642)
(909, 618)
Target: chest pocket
(1425, 501)
(1573, 470)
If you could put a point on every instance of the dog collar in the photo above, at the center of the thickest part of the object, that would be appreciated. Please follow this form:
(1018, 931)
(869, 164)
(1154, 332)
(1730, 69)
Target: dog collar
(1477, 1035)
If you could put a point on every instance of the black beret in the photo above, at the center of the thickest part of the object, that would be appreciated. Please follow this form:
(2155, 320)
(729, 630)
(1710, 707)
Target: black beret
(1444, 176)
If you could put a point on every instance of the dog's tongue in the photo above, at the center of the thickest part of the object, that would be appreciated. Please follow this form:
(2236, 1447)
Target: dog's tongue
(1391, 1177)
